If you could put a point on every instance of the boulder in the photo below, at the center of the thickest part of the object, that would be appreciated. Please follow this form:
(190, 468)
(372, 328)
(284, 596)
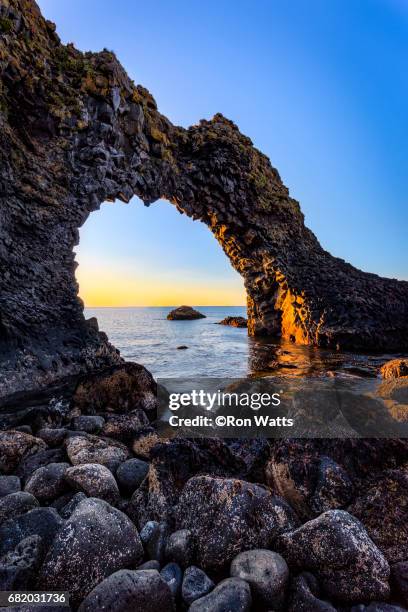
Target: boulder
(91, 449)
(53, 437)
(333, 489)
(130, 474)
(304, 595)
(96, 541)
(119, 389)
(180, 547)
(396, 368)
(234, 322)
(31, 463)
(124, 427)
(48, 482)
(125, 590)
(399, 580)
(266, 573)
(94, 480)
(43, 522)
(9, 484)
(172, 574)
(382, 507)
(232, 594)
(227, 516)
(196, 584)
(88, 423)
(336, 547)
(14, 446)
(157, 541)
(18, 567)
(15, 504)
(68, 508)
(184, 313)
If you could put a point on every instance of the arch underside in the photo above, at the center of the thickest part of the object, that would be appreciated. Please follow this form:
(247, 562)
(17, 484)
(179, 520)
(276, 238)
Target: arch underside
(74, 132)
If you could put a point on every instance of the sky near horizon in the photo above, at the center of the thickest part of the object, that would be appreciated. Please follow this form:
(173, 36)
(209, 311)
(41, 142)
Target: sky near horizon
(320, 87)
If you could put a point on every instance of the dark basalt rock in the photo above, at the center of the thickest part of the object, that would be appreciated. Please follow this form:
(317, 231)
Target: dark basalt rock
(94, 480)
(382, 507)
(8, 485)
(42, 458)
(130, 590)
(124, 427)
(304, 595)
(18, 567)
(230, 594)
(131, 473)
(44, 522)
(196, 584)
(172, 574)
(48, 482)
(228, 516)
(185, 313)
(267, 574)
(15, 504)
(234, 322)
(89, 424)
(96, 541)
(180, 547)
(16, 445)
(91, 449)
(336, 547)
(85, 134)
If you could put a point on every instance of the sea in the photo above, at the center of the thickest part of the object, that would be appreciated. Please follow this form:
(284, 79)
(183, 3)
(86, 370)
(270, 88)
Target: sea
(145, 336)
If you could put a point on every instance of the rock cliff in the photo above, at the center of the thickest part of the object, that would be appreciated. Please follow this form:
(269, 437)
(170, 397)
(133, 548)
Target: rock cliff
(75, 131)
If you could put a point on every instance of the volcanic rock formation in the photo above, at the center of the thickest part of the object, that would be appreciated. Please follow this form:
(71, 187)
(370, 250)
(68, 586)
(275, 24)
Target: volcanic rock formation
(75, 131)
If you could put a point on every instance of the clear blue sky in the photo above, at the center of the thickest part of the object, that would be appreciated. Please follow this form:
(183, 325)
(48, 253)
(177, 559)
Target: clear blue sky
(319, 86)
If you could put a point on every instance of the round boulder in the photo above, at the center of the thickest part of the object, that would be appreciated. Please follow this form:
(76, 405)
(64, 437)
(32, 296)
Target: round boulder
(196, 584)
(231, 594)
(15, 504)
(91, 449)
(94, 480)
(48, 482)
(130, 474)
(267, 574)
(9, 484)
(184, 313)
(14, 446)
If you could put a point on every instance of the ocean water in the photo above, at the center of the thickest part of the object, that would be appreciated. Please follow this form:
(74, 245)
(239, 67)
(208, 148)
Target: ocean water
(145, 336)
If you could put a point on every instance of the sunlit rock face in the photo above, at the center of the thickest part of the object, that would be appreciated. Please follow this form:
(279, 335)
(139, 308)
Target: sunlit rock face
(74, 132)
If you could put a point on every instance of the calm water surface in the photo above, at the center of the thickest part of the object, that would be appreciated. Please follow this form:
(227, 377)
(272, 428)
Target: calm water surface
(145, 335)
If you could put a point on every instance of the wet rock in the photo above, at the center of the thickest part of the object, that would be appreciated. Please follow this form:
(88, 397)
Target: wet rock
(234, 322)
(396, 368)
(119, 389)
(18, 566)
(31, 463)
(304, 595)
(267, 574)
(336, 547)
(230, 594)
(48, 482)
(94, 480)
(88, 423)
(228, 516)
(9, 484)
(180, 547)
(382, 507)
(184, 313)
(156, 544)
(52, 437)
(399, 580)
(130, 474)
(96, 541)
(124, 427)
(173, 575)
(128, 590)
(14, 446)
(68, 508)
(196, 584)
(44, 522)
(90, 449)
(15, 504)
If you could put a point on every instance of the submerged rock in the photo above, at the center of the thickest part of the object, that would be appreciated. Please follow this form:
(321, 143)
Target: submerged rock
(234, 322)
(96, 541)
(227, 516)
(336, 547)
(184, 313)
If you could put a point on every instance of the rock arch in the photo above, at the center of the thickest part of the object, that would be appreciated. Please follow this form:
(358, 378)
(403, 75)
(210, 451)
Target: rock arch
(74, 132)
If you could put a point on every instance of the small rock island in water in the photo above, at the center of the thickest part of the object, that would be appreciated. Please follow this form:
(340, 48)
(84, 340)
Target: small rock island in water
(185, 313)
(234, 322)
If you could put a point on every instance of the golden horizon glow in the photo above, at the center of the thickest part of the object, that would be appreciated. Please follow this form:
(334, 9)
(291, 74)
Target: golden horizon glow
(106, 288)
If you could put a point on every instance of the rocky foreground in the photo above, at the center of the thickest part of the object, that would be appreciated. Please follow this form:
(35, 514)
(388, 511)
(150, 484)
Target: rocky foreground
(93, 502)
